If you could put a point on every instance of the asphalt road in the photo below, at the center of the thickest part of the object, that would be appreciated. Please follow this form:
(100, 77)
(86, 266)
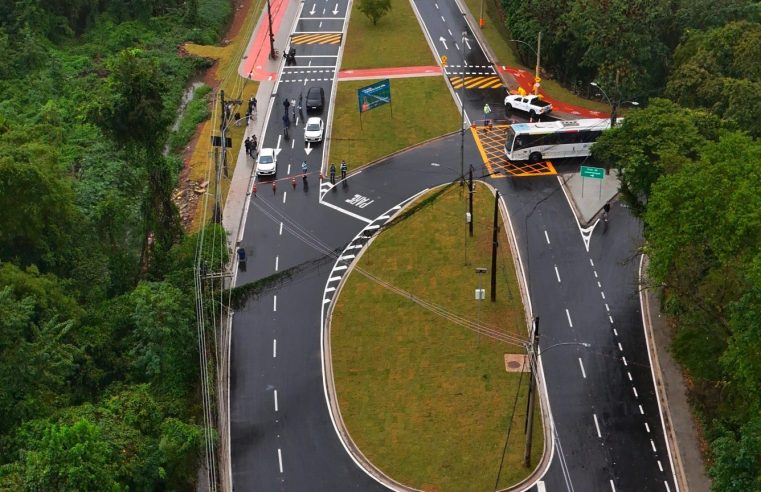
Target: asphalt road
(282, 434)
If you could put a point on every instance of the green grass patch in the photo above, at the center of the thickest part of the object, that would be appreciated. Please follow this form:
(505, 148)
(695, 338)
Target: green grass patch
(427, 400)
(397, 40)
(498, 36)
(196, 112)
(422, 109)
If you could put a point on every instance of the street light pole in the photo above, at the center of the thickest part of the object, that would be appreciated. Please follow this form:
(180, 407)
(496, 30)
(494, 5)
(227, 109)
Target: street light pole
(462, 109)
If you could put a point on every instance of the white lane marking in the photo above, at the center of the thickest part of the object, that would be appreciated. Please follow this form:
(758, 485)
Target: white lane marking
(540, 486)
(437, 6)
(615, 332)
(276, 400)
(289, 169)
(606, 307)
(347, 212)
(330, 289)
(636, 395)
(641, 410)
(546, 237)
(611, 319)
(599, 285)
(339, 268)
(668, 489)
(583, 373)
(450, 32)
(277, 147)
(597, 426)
(591, 262)
(333, 279)
(443, 19)
(274, 303)
(277, 260)
(647, 427)
(612, 487)
(652, 445)
(602, 294)
(568, 315)
(620, 347)
(280, 459)
(274, 353)
(285, 193)
(629, 375)
(557, 273)
(281, 229)
(660, 467)
(595, 272)
(293, 142)
(320, 26)
(624, 359)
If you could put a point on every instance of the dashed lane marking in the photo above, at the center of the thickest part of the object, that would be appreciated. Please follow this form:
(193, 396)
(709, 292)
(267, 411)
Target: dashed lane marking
(471, 82)
(317, 38)
(490, 140)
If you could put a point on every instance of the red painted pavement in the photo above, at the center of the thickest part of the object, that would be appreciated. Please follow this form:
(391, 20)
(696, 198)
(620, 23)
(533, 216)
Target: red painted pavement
(526, 80)
(259, 50)
(380, 73)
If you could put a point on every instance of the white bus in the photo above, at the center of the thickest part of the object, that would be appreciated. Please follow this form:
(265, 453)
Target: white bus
(553, 139)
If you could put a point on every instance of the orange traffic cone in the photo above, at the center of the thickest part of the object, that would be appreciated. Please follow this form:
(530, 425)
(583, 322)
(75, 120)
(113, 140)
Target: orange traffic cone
(253, 189)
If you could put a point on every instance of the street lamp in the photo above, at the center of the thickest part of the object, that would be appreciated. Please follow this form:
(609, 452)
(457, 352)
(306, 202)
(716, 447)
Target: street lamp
(613, 104)
(536, 53)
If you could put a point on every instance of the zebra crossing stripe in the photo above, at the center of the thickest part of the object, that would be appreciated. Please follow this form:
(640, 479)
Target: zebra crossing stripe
(470, 82)
(325, 38)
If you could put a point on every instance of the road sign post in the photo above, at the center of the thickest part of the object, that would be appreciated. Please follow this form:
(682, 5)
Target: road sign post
(594, 173)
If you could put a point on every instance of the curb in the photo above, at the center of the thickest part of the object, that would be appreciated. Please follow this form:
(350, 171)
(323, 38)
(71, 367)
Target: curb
(675, 458)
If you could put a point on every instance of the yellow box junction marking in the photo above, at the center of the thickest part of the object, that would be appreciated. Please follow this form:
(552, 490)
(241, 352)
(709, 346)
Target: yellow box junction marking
(471, 82)
(490, 141)
(316, 38)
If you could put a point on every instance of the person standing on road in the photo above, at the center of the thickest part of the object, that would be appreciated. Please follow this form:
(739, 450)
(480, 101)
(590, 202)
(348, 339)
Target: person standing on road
(286, 123)
(304, 169)
(247, 143)
(286, 104)
(487, 111)
(344, 169)
(332, 174)
(254, 145)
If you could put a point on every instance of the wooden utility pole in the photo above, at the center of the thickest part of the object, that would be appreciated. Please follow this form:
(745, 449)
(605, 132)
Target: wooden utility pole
(533, 363)
(537, 77)
(273, 53)
(470, 204)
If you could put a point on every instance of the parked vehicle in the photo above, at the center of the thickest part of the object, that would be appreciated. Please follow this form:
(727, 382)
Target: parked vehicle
(528, 103)
(314, 129)
(315, 98)
(266, 163)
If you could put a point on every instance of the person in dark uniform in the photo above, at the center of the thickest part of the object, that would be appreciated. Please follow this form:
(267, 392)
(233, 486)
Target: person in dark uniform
(333, 174)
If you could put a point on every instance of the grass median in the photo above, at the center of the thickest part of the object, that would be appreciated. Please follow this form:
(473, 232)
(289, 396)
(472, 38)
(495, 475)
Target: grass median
(427, 400)
(396, 41)
(422, 109)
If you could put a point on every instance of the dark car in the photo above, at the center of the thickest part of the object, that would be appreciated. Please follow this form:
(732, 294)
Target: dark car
(315, 98)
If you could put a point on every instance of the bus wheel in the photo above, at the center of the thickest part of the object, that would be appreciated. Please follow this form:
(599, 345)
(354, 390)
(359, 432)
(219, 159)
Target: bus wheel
(534, 157)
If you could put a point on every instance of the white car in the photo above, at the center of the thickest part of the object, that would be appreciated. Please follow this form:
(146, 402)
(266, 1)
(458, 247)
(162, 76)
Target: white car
(313, 130)
(266, 163)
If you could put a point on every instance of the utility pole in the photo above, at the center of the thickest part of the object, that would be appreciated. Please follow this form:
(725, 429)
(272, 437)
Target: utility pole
(533, 363)
(614, 103)
(494, 244)
(470, 205)
(272, 35)
(219, 162)
(538, 55)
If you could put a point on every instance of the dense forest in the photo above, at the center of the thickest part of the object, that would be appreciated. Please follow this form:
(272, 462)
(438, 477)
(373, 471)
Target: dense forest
(99, 375)
(689, 162)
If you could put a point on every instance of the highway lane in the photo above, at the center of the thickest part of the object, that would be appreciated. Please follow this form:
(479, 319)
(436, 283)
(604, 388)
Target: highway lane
(609, 430)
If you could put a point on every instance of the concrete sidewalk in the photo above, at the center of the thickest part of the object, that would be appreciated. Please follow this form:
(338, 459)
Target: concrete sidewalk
(588, 195)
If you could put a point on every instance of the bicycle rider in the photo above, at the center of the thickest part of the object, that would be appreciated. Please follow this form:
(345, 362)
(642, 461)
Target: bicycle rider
(304, 169)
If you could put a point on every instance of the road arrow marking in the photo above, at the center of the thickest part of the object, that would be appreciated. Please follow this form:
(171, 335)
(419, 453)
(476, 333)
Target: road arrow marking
(311, 12)
(308, 149)
(444, 42)
(466, 41)
(335, 10)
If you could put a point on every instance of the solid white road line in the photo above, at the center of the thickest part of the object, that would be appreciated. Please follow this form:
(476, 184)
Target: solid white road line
(546, 237)
(668, 489)
(597, 426)
(568, 315)
(277, 259)
(274, 303)
(276, 400)
(274, 353)
(557, 273)
(281, 228)
(612, 487)
(583, 372)
(280, 459)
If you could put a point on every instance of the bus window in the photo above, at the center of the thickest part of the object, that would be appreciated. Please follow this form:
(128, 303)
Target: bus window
(509, 140)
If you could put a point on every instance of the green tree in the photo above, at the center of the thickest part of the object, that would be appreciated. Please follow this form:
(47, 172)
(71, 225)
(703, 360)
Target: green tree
(737, 466)
(374, 9)
(651, 142)
(69, 457)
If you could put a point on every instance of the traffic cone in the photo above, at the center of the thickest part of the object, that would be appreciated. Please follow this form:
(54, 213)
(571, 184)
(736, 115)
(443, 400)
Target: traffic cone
(253, 189)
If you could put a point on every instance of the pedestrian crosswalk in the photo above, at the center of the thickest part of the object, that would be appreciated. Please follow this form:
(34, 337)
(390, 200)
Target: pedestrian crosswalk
(316, 38)
(478, 82)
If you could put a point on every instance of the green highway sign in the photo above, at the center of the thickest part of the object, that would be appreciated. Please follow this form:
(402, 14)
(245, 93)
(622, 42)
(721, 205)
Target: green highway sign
(592, 172)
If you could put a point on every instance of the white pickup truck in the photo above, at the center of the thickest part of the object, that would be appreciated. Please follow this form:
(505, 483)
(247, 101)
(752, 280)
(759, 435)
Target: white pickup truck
(528, 103)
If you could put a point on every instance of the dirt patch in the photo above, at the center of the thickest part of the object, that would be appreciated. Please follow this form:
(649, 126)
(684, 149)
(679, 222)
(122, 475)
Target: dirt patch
(516, 363)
